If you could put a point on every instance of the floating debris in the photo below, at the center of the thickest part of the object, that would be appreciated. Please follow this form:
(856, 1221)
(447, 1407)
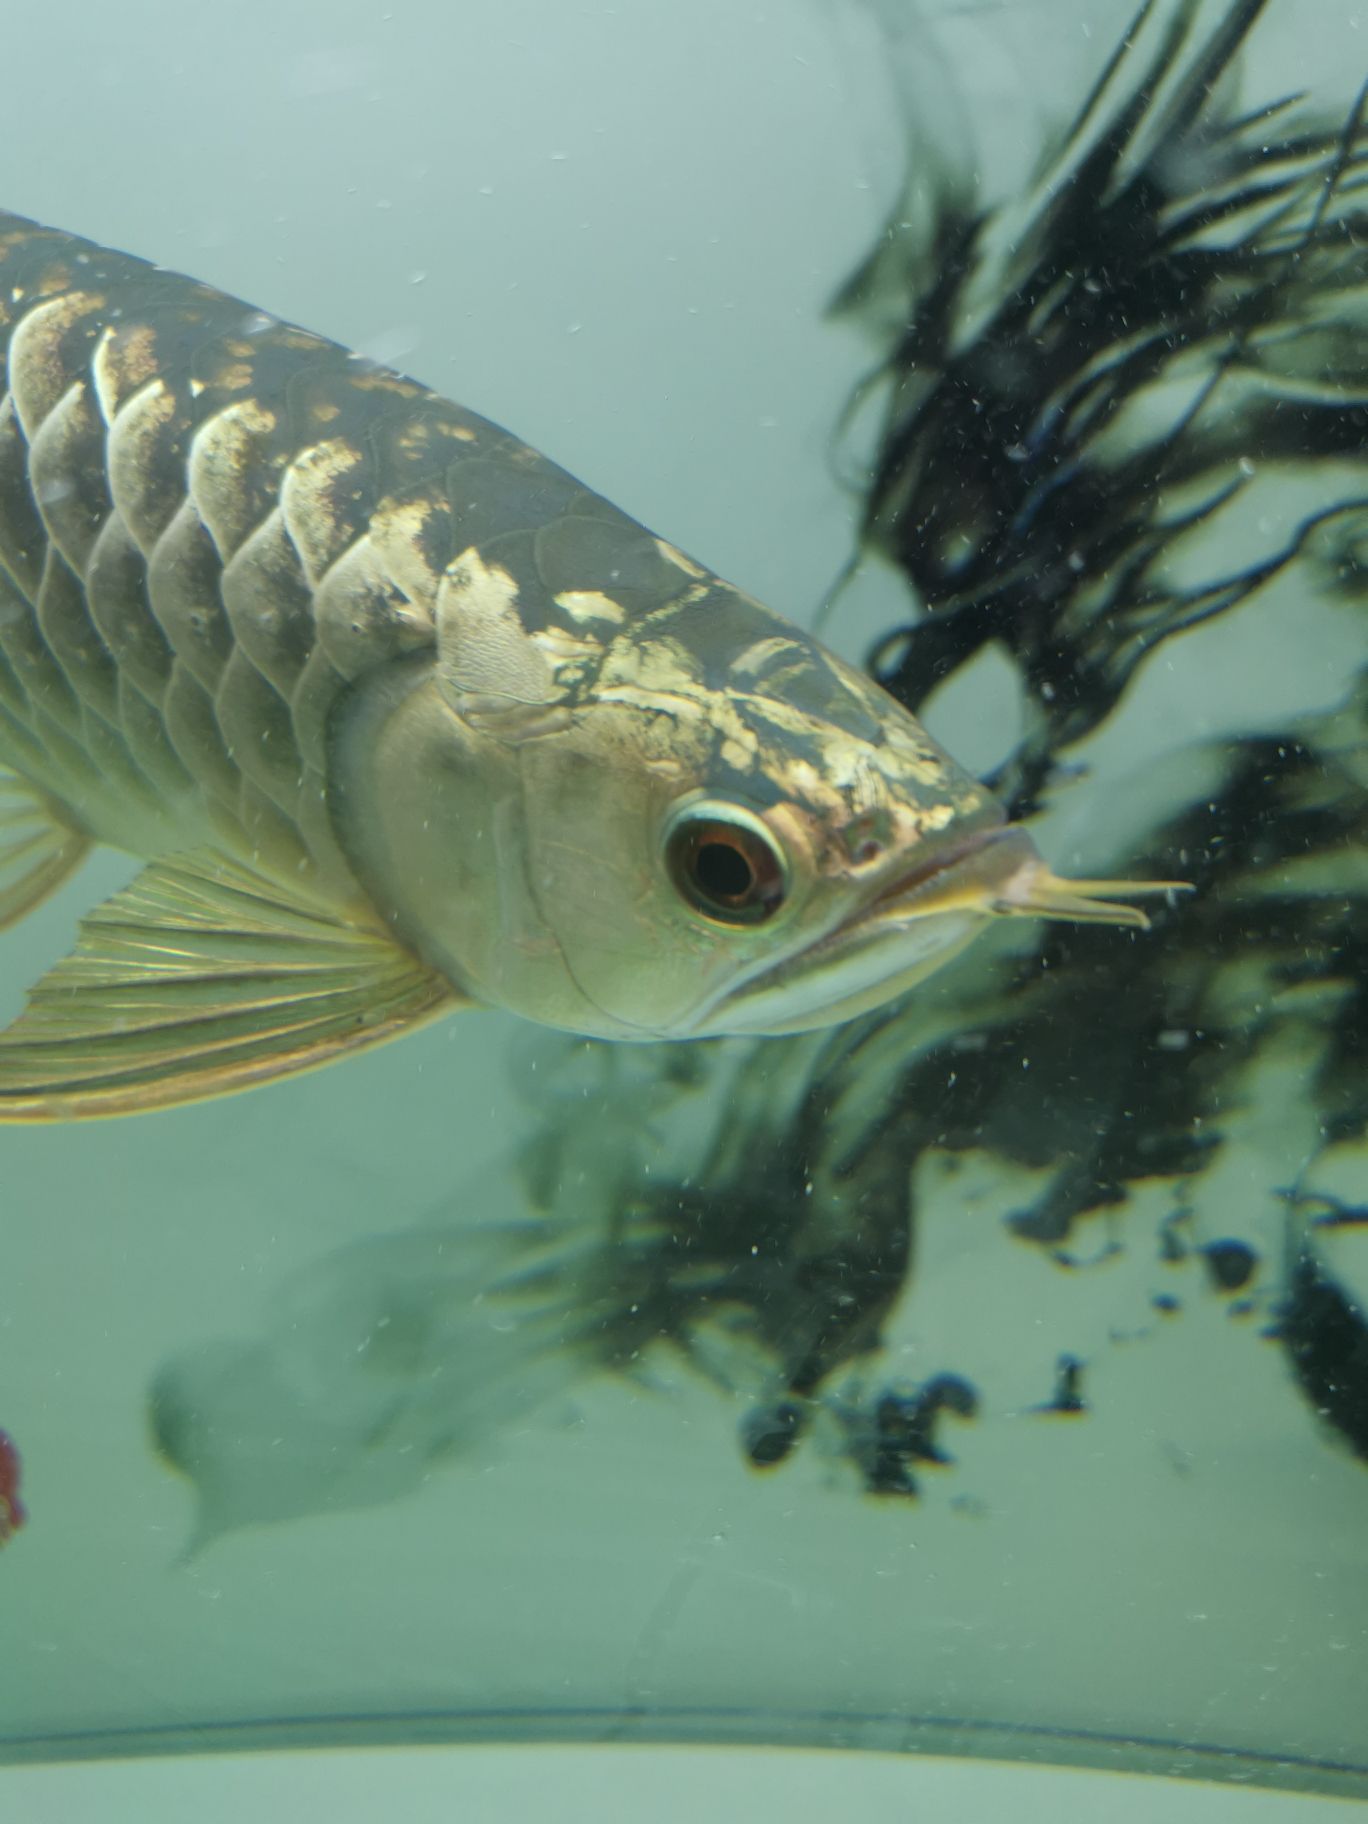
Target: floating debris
(1067, 1397)
(904, 1431)
(1230, 1264)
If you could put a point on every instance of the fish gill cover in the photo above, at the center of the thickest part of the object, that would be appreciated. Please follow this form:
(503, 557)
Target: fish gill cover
(1126, 403)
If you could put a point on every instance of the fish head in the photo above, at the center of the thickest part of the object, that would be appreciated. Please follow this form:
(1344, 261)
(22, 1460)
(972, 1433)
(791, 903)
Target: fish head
(683, 822)
(742, 835)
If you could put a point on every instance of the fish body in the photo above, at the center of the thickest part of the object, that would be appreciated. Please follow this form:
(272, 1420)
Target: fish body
(402, 716)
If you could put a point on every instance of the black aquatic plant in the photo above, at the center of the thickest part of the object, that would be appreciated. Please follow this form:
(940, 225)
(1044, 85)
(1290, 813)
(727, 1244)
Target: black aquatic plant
(1079, 394)
(1085, 379)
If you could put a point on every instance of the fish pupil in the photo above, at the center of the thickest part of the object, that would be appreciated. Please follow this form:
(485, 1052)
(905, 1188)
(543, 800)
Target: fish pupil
(723, 872)
(727, 870)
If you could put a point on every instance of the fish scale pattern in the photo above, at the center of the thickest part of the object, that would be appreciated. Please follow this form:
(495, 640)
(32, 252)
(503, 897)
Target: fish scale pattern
(211, 525)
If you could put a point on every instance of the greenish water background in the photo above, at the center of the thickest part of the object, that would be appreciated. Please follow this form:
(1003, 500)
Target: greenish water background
(615, 231)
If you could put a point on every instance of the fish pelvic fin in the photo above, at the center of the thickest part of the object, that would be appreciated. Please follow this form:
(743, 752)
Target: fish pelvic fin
(38, 852)
(201, 978)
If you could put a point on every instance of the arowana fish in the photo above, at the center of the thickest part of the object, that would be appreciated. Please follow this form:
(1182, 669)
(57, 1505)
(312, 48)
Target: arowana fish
(401, 717)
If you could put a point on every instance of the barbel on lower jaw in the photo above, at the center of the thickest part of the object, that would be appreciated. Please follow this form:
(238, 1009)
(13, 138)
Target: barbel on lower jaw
(1001, 873)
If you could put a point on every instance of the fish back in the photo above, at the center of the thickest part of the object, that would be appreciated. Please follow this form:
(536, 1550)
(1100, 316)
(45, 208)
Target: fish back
(212, 524)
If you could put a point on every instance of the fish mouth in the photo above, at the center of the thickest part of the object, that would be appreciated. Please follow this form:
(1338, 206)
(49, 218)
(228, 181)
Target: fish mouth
(916, 923)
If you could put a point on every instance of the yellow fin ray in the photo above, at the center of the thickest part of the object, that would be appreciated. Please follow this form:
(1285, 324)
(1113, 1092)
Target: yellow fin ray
(37, 852)
(201, 978)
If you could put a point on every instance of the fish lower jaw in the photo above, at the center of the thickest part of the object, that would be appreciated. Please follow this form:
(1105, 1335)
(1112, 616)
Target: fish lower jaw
(839, 980)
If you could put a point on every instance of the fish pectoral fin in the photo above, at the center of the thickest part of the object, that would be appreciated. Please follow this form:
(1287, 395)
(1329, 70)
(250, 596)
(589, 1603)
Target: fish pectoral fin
(37, 850)
(200, 978)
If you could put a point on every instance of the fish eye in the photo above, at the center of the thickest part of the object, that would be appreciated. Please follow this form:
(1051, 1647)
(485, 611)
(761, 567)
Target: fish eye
(725, 864)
